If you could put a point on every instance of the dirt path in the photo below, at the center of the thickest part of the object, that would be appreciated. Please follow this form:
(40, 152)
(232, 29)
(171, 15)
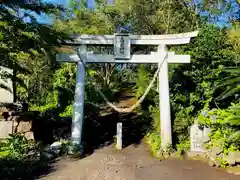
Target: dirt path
(133, 163)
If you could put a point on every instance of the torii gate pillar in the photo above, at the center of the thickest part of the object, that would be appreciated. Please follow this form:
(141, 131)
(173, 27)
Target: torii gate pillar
(162, 57)
(78, 111)
(164, 102)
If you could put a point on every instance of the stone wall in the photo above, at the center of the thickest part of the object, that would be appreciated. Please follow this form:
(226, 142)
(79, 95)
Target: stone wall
(16, 119)
(40, 126)
(15, 124)
(6, 128)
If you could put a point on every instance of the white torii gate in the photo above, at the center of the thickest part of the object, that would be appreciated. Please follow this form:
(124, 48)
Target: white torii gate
(122, 44)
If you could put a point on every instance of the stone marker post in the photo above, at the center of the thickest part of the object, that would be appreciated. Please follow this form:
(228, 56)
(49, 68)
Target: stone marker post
(119, 136)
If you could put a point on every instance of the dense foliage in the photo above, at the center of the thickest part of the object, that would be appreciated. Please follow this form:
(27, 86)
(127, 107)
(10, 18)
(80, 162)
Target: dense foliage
(210, 82)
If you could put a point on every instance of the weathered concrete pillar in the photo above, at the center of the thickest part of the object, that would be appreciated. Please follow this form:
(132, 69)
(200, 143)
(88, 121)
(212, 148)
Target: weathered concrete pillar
(164, 99)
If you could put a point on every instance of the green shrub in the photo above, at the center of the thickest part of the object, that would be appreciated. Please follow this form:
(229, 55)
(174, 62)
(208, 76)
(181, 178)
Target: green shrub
(183, 146)
(181, 125)
(67, 112)
(16, 147)
(225, 132)
(153, 140)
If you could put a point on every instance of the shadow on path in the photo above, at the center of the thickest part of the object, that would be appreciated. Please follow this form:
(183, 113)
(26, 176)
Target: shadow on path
(100, 131)
(13, 169)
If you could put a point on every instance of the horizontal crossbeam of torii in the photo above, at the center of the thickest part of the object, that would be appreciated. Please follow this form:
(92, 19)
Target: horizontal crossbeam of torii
(162, 57)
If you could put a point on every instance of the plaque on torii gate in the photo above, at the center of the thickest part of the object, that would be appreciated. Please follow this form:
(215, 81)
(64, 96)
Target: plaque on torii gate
(122, 44)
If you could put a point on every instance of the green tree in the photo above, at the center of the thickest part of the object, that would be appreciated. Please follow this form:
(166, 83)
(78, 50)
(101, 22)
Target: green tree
(26, 46)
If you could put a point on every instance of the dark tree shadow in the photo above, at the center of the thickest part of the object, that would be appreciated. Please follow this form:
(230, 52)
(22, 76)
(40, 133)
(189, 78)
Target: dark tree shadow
(48, 126)
(99, 131)
(45, 128)
(13, 169)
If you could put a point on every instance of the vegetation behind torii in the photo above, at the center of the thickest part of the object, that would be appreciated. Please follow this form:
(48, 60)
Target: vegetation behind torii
(210, 81)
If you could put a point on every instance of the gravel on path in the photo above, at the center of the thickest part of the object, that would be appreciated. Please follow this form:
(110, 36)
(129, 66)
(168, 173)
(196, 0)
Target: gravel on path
(133, 163)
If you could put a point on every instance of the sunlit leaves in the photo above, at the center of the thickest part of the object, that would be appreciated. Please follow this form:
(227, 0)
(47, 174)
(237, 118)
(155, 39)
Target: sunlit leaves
(3, 24)
(28, 47)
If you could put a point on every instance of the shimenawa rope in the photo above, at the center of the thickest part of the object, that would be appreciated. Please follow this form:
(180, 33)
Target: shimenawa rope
(130, 109)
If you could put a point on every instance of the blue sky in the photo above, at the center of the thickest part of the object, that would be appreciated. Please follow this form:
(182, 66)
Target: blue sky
(45, 19)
